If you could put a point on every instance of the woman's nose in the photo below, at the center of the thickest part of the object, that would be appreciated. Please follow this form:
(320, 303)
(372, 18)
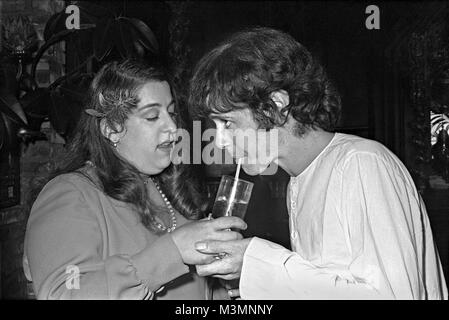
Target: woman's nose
(170, 125)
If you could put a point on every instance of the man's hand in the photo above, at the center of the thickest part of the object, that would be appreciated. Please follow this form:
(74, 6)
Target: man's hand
(229, 265)
(186, 236)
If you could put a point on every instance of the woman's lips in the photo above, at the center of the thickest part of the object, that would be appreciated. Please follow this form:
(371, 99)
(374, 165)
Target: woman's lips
(166, 146)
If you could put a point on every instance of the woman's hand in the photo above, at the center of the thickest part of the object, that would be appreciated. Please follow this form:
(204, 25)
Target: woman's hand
(218, 229)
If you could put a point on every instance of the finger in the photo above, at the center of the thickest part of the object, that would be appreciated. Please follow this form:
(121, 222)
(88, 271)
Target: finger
(213, 246)
(229, 276)
(218, 267)
(233, 293)
(203, 270)
(206, 259)
(226, 236)
(229, 222)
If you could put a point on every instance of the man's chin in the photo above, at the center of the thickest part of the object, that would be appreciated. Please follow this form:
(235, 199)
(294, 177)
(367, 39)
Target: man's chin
(254, 169)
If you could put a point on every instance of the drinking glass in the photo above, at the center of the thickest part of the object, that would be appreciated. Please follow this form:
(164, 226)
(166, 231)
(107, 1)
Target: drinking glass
(222, 207)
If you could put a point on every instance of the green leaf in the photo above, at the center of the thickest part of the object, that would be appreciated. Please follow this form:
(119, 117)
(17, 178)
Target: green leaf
(145, 35)
(55, 24)
(102, 39)
(10, 125)
(6, 110)
(126, 38)
(66, 107)
(118, 39)
(75, 89)
(54, 39)
(73, 93)
(35, 104)
(140, 50)
(59, 117)
(93, 12)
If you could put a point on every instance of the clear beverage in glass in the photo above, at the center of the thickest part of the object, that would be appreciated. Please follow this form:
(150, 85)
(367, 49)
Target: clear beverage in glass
(238, 207)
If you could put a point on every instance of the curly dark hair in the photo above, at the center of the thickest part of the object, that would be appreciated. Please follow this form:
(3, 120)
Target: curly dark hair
(112, 96)
(245, 69)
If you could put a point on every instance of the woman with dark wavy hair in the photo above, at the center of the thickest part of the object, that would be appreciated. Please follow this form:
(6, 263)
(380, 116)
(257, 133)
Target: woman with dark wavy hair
(116, 222)
(358, 226)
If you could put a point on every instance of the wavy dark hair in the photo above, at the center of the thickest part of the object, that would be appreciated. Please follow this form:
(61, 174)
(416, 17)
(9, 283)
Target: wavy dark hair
(113, 93)
(245, 69)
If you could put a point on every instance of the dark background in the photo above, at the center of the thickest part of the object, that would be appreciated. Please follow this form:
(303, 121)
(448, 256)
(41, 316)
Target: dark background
(384, 77)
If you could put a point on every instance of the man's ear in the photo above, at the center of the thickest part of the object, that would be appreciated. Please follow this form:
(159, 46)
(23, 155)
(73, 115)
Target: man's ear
(108, 132)
(280, 98)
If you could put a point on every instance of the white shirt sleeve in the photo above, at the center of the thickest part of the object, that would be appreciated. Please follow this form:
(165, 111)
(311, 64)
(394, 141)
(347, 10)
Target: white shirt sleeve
(271, 272)
(384, 222)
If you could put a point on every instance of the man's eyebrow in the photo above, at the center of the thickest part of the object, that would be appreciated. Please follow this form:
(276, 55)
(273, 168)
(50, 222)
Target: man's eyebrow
(220, 116)
(155, 105)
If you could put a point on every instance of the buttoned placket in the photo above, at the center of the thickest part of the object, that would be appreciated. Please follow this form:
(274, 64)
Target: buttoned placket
(293, 208)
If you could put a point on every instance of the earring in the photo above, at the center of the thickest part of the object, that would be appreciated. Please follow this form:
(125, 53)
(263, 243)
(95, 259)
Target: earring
(114, 144)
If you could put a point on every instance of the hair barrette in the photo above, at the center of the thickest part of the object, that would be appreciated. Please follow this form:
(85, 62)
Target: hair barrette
(94, 113)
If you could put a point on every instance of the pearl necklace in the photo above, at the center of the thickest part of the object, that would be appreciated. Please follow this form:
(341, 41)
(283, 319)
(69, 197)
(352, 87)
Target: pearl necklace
(160, 226)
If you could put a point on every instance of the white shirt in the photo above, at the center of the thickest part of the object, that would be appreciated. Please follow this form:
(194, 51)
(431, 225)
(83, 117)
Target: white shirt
(356, 223)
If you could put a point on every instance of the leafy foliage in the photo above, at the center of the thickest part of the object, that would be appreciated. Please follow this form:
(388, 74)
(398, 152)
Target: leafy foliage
(439, 121)
(110, 35)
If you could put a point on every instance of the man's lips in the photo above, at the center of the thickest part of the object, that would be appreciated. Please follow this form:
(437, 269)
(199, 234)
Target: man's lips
(237, 153)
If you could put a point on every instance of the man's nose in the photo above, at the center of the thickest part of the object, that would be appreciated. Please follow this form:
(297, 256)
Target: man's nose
(222, 140)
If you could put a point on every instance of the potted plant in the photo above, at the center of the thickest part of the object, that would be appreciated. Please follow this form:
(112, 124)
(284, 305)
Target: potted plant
(440, 143)
(103, 34)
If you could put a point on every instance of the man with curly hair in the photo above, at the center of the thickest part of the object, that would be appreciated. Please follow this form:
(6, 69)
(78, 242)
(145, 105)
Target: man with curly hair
(358, 226)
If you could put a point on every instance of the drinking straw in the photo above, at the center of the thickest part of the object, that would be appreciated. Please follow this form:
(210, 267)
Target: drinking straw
(234, 187)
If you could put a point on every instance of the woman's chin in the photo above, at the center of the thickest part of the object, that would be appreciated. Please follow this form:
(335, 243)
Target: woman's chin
(156, 169)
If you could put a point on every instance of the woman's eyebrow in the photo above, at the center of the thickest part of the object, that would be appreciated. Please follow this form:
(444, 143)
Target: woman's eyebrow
(154, 105)
(148, 106)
